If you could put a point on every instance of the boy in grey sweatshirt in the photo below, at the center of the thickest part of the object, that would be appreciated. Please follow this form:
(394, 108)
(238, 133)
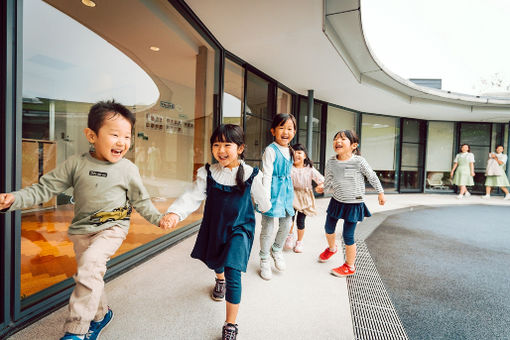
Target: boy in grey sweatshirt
(106, 188)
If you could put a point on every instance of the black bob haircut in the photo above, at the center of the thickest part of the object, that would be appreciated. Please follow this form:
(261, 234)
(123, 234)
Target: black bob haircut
(102, 109)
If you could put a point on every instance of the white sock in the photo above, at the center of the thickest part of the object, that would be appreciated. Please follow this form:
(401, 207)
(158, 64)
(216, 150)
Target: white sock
(332, 250)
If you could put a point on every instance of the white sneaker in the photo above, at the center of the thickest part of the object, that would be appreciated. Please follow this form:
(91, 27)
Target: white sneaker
(290, 242)
(299, 247)
(460, 196)
(265, 269)
(467, 194)
(279, 261)
(486, 197)
(507, 197)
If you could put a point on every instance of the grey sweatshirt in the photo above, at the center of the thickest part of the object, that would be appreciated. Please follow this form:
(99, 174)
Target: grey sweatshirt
(104, 193)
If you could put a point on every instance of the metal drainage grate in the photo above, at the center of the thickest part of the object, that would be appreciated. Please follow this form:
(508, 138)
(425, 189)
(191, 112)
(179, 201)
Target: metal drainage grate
(373, 314)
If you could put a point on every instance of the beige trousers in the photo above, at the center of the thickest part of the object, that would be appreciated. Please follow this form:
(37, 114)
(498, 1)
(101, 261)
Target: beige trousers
(88, 300)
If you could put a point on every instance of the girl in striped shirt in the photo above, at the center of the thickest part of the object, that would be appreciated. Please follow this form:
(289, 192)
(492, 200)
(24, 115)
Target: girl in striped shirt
(345, 179)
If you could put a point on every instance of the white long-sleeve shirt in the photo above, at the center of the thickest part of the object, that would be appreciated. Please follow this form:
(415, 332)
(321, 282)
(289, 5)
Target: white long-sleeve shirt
(345, 179)
(191, 199)
(268, 159)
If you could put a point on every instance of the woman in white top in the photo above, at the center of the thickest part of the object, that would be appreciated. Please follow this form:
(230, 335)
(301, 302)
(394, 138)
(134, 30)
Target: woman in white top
(498, 181)
(463, 170)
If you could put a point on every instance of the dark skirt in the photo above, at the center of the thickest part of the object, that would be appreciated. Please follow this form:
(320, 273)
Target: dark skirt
(350, 212)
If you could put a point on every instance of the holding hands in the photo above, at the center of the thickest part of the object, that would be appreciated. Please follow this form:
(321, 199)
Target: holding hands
(6, 200)
(169, 221)
(319, 188)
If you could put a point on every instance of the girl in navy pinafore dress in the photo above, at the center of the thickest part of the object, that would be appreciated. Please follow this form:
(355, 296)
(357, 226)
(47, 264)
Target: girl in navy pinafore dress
(225, 237)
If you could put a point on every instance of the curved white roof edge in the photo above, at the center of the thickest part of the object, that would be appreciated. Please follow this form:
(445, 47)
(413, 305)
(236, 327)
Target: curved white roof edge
(343, 27)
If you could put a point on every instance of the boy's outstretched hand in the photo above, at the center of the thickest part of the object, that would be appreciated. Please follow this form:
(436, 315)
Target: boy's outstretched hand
(6, 200)
(169, 221)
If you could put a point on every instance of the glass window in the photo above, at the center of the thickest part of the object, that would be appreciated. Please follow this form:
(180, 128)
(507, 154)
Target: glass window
(338, 119)
(233, 93)
(478, 136)
(475, 133)
(411, 131)
(258, 119)
(71, 59)
(439, 155)
(316, 128)
(283, 102)
(411, 165)
(505, 143)
(378, 137)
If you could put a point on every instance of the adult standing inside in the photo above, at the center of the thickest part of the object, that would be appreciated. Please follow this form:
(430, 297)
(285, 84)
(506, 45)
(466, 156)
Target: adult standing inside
(463, 170)
(500, 181)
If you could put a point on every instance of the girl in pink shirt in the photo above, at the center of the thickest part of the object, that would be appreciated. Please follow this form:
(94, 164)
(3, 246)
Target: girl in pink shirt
(302, 174)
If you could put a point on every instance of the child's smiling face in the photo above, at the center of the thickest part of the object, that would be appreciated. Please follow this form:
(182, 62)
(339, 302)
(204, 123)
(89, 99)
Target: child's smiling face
(299, 157)
(342, 145)
(227, 153)
(113, 139)
(284, 133)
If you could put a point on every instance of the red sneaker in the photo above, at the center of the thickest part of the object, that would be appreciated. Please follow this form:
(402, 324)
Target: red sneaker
(326, 254)
(343, 270)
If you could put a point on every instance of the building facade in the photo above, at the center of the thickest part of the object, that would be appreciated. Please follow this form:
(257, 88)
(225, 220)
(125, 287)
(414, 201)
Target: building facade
(156, 57)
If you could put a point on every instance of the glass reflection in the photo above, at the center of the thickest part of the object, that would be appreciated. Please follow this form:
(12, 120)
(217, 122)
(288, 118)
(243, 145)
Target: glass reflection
(66, 68)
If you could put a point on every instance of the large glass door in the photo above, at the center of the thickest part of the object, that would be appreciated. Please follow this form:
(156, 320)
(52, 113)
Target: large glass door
(71, 59)
(258, 115)
(378, 146)
(412, 155)
(478, 136)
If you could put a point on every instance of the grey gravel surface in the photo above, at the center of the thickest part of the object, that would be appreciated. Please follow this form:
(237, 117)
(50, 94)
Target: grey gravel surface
(447, 270)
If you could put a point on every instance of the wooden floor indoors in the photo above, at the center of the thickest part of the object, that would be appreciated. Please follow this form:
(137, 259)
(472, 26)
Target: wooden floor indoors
(47, 255)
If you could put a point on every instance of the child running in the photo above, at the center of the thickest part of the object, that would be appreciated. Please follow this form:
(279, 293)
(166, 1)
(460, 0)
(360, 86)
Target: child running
(345, 174)
(302, 174)
(106, 187)
(276, 165)
(225, 237)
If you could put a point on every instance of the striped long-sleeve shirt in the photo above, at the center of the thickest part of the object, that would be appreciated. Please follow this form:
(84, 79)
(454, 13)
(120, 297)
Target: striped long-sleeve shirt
(345, 179)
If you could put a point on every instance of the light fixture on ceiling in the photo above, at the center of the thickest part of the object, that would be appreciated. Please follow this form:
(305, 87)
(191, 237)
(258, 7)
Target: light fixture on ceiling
(88, 3)
(154, 48)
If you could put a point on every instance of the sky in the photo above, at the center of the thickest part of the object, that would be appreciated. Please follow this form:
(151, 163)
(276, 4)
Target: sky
(462, 42)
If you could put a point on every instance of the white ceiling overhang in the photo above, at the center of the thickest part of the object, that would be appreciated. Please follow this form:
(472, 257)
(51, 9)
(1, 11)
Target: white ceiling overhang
(319, 45)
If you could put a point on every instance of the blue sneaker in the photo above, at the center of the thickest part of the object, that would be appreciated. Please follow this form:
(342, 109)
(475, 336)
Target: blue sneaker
(96, 327)
(71, 336)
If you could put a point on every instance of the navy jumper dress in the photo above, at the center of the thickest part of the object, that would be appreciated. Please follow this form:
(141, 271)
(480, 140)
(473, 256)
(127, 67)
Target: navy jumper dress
(226, 235)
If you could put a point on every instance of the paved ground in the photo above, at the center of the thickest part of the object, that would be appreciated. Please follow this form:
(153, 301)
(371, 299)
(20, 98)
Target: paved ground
(167, 297)
(447, 270)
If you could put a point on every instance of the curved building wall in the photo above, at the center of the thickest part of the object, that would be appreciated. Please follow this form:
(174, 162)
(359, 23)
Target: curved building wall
(74, 56)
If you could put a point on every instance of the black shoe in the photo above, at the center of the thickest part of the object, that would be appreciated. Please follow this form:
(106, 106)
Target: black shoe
(218, 293)
(229, 332)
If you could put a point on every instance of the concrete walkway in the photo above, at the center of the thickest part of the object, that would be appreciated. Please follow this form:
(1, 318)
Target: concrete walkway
(167, 297)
